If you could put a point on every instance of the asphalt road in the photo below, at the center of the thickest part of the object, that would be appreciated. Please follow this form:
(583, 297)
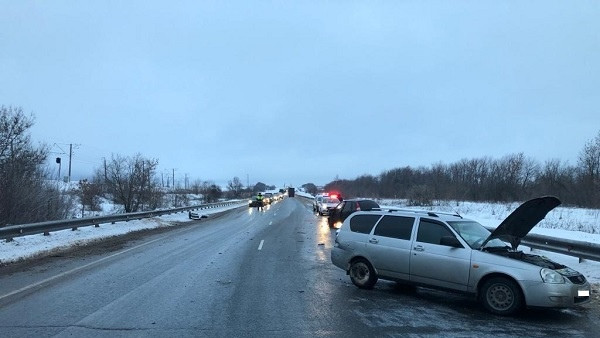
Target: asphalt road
(242, 274)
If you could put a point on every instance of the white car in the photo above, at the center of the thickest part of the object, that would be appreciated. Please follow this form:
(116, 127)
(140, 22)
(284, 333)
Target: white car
(326, 204)
(316, 201)
(195, 215)
(450, 252)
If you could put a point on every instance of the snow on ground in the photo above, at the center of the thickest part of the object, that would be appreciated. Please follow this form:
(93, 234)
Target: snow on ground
(37, 245)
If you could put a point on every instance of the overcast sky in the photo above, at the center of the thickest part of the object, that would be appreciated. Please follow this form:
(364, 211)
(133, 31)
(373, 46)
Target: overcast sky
(290, 92)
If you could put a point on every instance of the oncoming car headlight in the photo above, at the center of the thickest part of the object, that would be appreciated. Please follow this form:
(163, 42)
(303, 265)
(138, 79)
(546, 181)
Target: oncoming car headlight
(551, 276)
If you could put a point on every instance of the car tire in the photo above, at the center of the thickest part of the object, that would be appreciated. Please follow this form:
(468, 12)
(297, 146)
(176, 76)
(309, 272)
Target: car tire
(501, 296)
(362, 274)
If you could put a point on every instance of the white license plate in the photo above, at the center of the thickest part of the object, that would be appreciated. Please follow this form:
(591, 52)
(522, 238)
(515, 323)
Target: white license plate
(583, 293)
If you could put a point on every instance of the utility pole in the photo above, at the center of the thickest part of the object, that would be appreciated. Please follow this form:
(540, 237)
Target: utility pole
(173, 178)
(105, 170)
(70, 156)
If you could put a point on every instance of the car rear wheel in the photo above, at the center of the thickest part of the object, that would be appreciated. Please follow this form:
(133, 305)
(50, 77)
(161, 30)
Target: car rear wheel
(362, 274)
(501, 296)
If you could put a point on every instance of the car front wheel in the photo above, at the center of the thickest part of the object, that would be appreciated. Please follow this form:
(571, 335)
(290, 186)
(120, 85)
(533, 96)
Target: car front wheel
(501, 296)
(362, 274)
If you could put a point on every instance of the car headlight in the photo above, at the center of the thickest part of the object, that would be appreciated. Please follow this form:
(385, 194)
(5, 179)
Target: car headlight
(551, 276)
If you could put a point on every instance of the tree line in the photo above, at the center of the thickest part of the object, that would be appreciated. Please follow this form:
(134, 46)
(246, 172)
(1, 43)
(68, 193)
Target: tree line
(514, 177)
(28, 193)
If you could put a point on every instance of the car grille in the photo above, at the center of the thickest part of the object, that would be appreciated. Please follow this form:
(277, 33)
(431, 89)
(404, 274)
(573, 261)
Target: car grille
(577, 279)
(578, 300)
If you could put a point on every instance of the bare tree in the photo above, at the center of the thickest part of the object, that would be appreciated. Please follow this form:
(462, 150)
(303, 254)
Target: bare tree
(589, 165)
(310, 188)
(556, 178)
(25, 195)
(211, 192)
(196, 187)
(235, 187)
(89, 195)
(259, 187)
(131, 181)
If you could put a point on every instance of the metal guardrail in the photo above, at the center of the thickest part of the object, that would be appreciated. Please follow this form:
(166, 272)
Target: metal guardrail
(9, 232)
(579, 249)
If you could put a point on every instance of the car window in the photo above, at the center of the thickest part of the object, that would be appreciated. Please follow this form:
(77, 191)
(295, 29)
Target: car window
(395, 226)
(432, 232)
(331, 200)
(368, 205)
(347, 207)
(363, 223)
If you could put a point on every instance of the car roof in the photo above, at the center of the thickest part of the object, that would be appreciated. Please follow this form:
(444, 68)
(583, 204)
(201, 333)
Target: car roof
(439, 215)
(358, 199)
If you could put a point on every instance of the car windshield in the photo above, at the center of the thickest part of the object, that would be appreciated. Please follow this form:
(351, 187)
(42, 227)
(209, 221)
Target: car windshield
(331, 200)
(475, 234)
(368, 205)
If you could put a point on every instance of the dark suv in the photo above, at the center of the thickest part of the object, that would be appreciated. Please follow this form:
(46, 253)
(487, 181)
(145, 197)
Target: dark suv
(347, 207)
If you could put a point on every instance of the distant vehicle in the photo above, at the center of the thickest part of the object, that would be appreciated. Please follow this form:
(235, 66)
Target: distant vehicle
(195, 215)
(268, 198)
(347, 207)
(318, 198)
(447, 251)
(291, 192)
(254, 202)
(326, 204)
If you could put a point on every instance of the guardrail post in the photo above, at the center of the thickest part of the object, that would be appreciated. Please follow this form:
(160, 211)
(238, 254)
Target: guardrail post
(581, 260)
(46, 233)
(97, 225)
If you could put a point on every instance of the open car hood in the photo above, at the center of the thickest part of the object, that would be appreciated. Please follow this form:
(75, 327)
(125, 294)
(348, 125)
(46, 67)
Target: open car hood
(522, 220)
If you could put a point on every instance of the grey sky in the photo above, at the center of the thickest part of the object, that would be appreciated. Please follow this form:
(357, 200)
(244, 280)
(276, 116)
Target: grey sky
(301, 91)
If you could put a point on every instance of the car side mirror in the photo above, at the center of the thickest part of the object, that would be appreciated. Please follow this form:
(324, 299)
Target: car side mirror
(450, 241)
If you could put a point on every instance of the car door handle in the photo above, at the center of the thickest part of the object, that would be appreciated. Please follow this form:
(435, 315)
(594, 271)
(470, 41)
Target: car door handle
(419, 248)
(373, 240)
